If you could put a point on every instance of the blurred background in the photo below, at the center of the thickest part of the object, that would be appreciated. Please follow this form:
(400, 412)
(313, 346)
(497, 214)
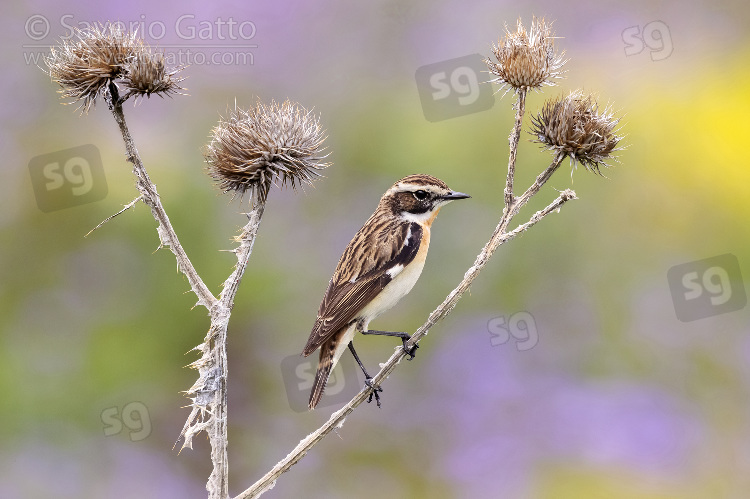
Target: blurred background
(605, 353)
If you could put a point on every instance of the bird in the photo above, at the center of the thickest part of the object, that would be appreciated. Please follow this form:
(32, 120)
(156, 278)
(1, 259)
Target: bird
(380, 266)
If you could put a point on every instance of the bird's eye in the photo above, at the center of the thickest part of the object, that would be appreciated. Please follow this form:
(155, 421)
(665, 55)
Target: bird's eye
(420, 195)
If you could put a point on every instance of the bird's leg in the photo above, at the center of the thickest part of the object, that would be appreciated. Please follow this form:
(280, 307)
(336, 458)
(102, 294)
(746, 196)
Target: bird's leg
(411, 352)
(368, 378)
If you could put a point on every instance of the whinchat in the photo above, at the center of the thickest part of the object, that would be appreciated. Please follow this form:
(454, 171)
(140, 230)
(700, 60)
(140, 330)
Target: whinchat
(380, 266)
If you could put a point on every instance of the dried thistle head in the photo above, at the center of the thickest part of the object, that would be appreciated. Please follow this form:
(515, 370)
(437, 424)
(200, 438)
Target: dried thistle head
(86, 63)
(270, 143)
(85, 66)
(573, 126)
(526, 59)
(146, 74)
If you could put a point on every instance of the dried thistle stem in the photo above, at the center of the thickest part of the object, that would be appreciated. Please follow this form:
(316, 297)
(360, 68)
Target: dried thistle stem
(538, 183)
(515, 135)
(211, 386)
(209, 393)
(249, 151)
(167, 235)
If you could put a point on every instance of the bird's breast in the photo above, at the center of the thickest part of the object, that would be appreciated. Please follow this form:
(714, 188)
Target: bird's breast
(401, 283)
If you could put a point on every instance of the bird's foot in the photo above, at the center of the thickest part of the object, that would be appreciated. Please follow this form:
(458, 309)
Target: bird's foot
(374, 392)
(411, 352)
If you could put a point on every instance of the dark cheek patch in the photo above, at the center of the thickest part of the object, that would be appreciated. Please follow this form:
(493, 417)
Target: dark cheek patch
(406, 202)
(418, 209)
(412, 205)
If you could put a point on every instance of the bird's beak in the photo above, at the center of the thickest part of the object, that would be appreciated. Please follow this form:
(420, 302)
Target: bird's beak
(455, 195)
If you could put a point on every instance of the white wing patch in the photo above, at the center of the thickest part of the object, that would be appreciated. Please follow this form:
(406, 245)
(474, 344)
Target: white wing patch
(395, 270)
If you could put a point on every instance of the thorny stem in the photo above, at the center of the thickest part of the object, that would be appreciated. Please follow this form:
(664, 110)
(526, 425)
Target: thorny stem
(524, 198)
(210, 391)
(167, 235)
(499, 236)
(515, 134)
(217, 433)
(243, 251)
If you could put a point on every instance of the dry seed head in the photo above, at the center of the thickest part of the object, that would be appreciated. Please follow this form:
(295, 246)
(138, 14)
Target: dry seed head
(86, 63)
(146, 74)
(573, 126)
(270, 143)
(526, 60)
(83, 65)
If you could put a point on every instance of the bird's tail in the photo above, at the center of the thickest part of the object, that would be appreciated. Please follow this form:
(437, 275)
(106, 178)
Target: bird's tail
(325, 364)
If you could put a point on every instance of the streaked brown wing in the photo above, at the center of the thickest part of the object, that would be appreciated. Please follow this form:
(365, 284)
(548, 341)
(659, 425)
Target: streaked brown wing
(367, 266)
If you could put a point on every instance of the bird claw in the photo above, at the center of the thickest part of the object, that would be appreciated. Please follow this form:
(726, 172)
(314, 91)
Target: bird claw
(411, 352)
(374, 392)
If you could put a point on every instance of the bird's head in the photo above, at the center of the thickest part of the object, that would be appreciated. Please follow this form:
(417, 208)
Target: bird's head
(418, 198)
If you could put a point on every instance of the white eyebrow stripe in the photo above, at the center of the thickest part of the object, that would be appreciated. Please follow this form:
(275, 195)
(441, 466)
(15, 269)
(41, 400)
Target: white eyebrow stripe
(414, 188)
